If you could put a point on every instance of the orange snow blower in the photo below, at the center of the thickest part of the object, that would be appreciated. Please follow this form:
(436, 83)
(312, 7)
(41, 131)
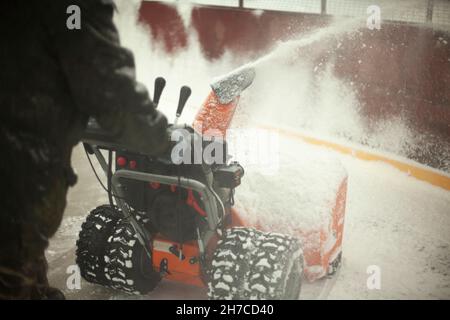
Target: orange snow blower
(172, 217)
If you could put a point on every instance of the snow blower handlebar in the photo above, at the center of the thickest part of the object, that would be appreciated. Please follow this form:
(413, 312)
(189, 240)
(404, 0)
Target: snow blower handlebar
(209, 199)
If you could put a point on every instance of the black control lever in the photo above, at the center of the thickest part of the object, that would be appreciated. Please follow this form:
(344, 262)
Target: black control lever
(160, 83)
(185, 93)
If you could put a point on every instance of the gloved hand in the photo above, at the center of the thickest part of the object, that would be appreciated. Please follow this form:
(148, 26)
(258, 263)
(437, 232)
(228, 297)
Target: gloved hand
(145, 133)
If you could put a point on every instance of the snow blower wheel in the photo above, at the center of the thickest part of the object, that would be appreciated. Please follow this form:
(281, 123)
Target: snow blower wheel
(128, 267)
(250, 264)
(230, 264)
(92, 241)
(277, 268)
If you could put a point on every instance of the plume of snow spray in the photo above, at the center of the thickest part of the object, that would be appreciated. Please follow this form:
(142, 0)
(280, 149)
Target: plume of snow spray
(290, 88)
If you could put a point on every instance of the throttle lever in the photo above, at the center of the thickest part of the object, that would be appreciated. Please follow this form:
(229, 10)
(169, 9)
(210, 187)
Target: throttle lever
(160, 84)
(185, 93)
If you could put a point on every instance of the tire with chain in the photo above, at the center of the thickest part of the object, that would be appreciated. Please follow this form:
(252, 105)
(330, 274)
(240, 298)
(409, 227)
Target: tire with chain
(277, 268)
(230, 264)
(250, 264)
(128, 267)
(92, 242)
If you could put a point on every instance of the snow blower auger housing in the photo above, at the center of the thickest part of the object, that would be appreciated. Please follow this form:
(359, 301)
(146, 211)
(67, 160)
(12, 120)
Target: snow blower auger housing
(174, 221)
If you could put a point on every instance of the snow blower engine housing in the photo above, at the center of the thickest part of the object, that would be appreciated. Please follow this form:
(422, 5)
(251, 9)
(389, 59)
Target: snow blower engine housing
(174, 221)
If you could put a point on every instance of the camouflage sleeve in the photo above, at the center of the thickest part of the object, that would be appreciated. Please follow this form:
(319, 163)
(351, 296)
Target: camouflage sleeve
(101, 75)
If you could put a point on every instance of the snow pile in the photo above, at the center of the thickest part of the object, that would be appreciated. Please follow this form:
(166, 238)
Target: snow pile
(300, 196)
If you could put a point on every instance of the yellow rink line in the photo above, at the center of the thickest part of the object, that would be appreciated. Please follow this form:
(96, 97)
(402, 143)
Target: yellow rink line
(422, 173)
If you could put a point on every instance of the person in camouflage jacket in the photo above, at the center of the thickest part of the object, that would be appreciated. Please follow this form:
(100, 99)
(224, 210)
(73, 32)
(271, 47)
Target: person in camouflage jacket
(52, 79)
